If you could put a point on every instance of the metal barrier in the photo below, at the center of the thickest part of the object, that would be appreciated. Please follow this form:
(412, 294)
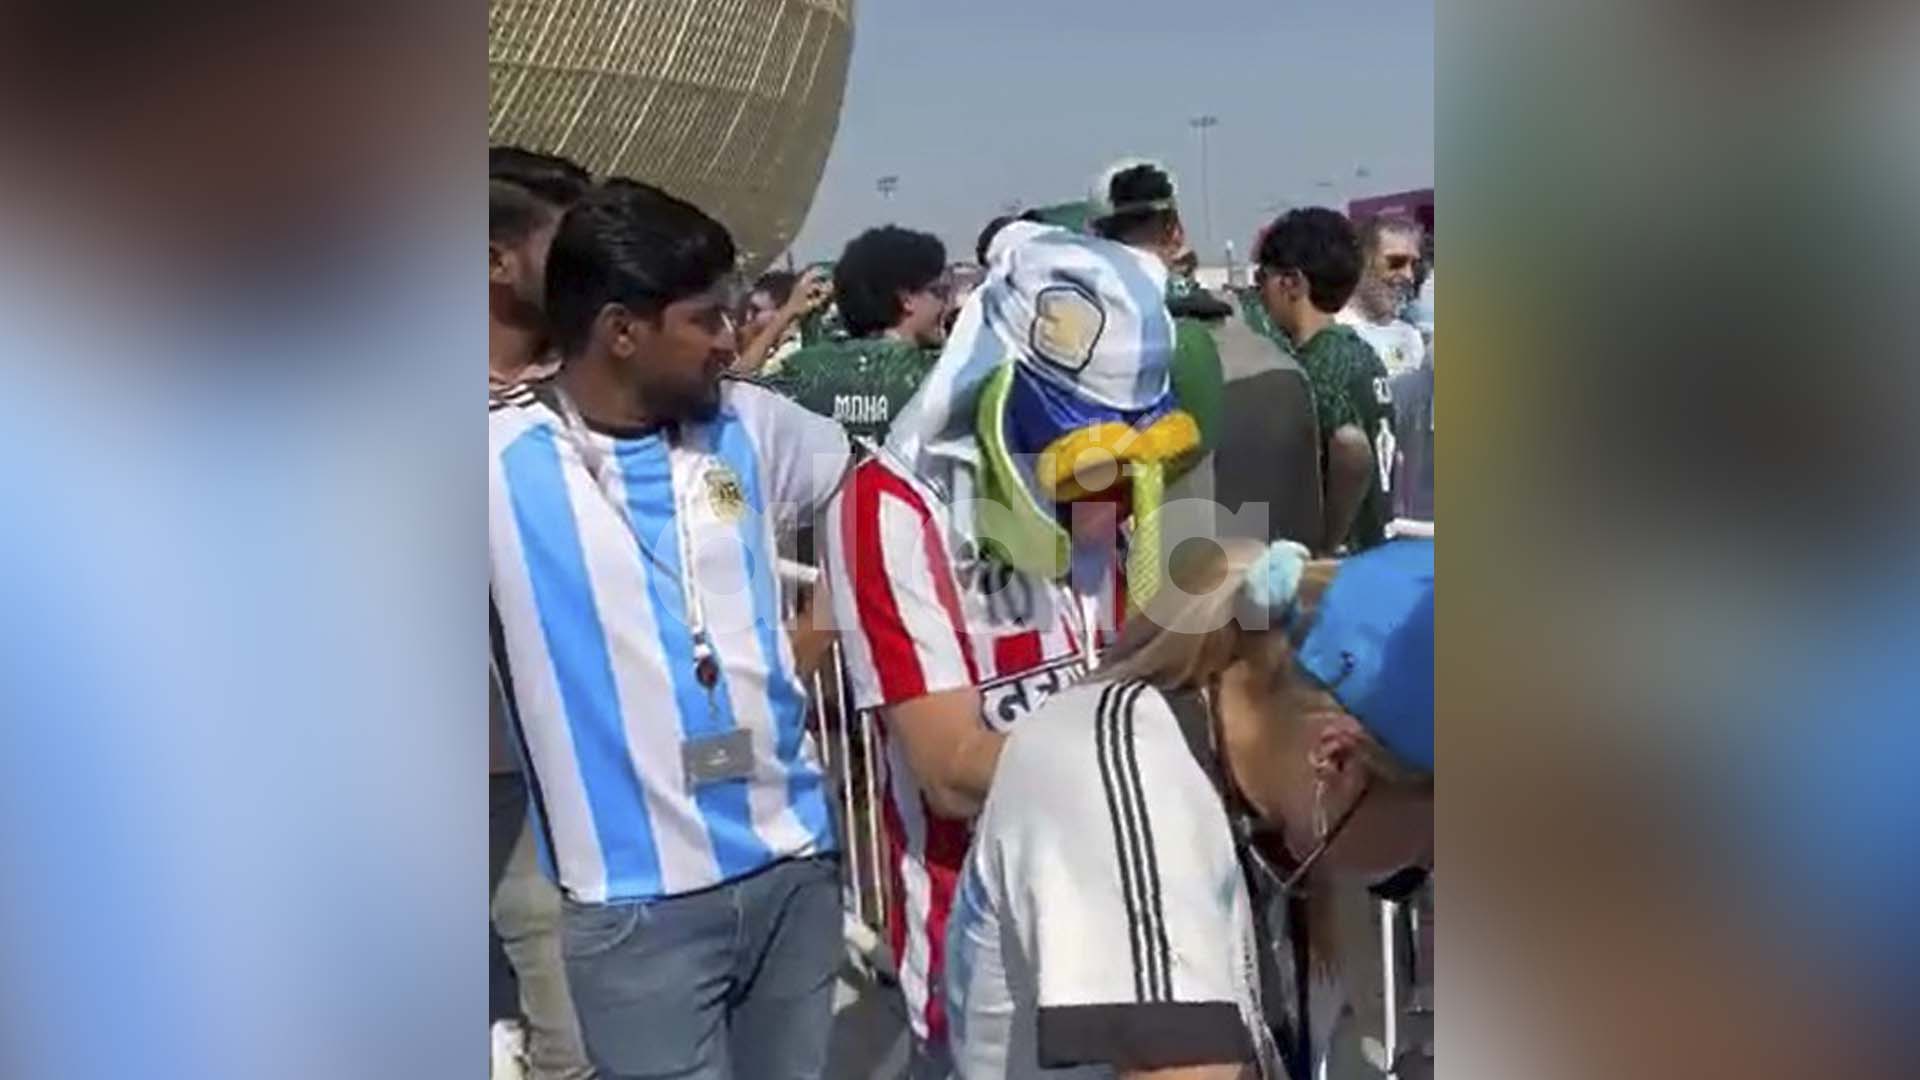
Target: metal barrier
(1405, 1047)
(851, 752)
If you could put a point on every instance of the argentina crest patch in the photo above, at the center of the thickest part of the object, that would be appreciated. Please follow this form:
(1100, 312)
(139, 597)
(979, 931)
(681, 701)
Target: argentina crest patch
(725, 495)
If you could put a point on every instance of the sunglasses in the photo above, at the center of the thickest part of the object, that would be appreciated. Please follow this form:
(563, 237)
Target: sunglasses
(1402, 262)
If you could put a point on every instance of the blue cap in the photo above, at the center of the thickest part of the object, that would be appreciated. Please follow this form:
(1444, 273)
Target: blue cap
(1370, 643)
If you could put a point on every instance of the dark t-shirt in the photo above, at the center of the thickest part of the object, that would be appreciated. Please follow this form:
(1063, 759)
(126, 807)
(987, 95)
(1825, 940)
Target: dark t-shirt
(862, 384)
(1350, 387)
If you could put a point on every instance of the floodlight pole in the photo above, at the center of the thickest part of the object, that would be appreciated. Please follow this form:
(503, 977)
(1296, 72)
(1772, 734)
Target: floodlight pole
(1203, 124)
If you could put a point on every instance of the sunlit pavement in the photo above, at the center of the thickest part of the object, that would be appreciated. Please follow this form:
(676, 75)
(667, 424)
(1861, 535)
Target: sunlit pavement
(869, 1032)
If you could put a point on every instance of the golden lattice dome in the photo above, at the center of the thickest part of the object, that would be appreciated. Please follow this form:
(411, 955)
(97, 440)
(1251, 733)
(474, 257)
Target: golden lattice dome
(731, 104)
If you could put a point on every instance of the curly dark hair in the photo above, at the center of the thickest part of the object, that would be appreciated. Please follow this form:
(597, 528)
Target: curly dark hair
(631, 244)
(1321, 245)
(876, 268)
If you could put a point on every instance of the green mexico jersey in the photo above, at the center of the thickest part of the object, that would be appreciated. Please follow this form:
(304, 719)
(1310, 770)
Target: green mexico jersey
(862, 384)
(1350, 387)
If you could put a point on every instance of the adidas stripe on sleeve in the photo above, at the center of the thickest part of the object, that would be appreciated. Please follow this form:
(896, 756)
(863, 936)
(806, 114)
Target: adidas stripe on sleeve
(1106, 854)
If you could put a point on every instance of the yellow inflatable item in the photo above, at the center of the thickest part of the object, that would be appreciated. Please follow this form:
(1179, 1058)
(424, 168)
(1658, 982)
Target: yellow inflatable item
(1087, 462)
(1083, 463)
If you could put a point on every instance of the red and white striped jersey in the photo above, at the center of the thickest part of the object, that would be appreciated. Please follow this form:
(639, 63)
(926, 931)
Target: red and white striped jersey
(921, 611)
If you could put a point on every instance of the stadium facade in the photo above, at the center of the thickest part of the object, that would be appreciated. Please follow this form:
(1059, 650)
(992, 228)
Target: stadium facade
(731, 104)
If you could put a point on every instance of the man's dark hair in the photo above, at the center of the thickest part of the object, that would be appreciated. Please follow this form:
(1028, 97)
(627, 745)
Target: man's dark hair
(631, 244)
(1380, 225)
(550, 177)
(777, 284)
(513, 212)
(983, 247)
(1148, 188)
(1321, 245)
(526, 189)
(876, 268)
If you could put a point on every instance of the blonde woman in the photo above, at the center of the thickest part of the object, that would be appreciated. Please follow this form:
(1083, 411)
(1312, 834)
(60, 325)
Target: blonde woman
(1265, 729)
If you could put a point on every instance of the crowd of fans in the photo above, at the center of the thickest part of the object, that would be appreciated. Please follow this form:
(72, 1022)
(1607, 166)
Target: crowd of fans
(1182, 751)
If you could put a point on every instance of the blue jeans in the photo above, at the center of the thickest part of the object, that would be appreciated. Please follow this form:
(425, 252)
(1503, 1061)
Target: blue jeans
(735, 981)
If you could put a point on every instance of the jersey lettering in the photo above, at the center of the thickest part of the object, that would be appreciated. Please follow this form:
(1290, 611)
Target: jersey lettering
(1005, 701)
(861, 408)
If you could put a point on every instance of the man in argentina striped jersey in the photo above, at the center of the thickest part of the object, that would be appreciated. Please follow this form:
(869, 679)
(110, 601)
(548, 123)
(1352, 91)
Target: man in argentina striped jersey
(635, 504)
(975, 568)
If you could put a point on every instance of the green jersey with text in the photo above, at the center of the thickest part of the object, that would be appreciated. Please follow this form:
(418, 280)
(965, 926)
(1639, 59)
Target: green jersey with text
(1350, 387)
(863, 384)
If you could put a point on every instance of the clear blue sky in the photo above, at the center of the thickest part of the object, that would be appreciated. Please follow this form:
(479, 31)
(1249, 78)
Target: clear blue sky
(978, 103)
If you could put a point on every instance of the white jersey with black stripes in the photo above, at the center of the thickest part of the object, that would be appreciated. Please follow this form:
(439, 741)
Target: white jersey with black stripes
(1102, 922)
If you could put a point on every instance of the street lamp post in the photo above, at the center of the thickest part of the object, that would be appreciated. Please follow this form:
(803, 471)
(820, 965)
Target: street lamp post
(886, 185)
(1203, 124)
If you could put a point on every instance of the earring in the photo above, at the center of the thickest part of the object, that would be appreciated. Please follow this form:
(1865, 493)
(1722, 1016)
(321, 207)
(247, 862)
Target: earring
(1319, 810)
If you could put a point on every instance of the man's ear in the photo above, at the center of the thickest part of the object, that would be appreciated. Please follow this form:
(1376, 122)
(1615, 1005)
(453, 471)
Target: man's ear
(501, 262)
(617, 327)
(1293, 286)
(1335, 751)
(627, 332)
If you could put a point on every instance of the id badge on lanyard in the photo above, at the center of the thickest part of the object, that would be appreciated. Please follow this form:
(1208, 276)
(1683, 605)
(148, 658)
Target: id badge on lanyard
(715, 759)
(707, 759)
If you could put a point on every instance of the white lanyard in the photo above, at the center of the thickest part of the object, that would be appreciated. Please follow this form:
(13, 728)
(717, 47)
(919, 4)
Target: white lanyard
(705, 667)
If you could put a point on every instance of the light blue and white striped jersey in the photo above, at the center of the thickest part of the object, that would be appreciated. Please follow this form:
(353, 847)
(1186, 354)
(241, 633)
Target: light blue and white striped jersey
(596, 655)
